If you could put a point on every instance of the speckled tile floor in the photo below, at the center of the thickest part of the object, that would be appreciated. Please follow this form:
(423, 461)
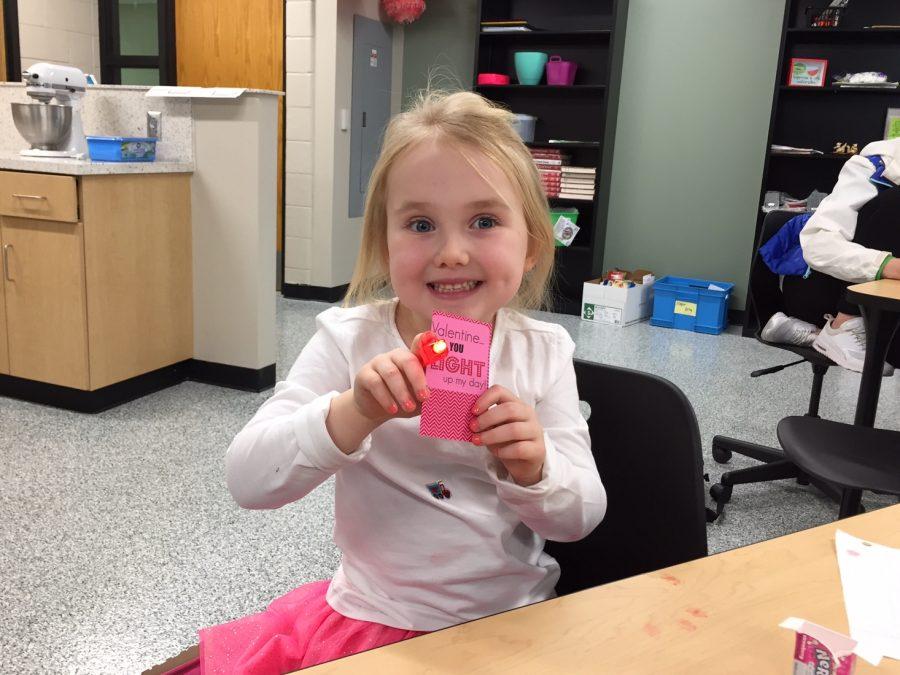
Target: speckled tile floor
(118, 538)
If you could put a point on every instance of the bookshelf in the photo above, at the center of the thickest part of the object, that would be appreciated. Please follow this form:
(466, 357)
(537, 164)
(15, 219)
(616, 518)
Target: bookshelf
(820, 117)
(591, 33)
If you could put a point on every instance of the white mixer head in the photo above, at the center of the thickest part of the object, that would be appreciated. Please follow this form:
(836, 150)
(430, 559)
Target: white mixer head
(45, 81)
(48, 81)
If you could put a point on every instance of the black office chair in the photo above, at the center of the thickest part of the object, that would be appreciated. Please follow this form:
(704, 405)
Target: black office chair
(646, 442)
(764, 300)
(855, 457)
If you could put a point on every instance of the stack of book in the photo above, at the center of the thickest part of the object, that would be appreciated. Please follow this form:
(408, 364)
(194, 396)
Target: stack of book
(513, 26)
(577, 182)
(550, 162)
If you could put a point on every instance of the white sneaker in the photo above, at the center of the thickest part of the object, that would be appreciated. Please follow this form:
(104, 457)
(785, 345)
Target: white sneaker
(787, 330)
(846, 346)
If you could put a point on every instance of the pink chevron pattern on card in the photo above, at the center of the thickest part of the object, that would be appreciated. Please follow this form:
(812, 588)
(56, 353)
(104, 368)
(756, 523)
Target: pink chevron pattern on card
(450, 415)
(448, 412)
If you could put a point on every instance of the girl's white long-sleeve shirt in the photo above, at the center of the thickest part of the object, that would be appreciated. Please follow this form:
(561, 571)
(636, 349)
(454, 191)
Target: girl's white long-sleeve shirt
(827, 237)
(409, 559)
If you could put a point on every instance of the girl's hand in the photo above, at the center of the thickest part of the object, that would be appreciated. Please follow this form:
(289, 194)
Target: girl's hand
(511, 431)
(391, 385)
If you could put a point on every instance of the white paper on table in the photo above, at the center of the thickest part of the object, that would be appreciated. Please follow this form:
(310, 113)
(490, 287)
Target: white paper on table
(194, 92)
(870, 576)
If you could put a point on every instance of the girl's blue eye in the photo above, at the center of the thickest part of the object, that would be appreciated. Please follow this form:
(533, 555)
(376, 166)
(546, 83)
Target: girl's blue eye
(485, 223)
(421, 226)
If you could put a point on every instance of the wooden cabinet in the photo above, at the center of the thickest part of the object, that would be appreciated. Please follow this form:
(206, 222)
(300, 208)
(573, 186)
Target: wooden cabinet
(38, 195)
(103, 299)
(45, 301)
(4, 354)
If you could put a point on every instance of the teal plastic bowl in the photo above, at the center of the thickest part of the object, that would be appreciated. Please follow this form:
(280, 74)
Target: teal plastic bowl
(530, 66)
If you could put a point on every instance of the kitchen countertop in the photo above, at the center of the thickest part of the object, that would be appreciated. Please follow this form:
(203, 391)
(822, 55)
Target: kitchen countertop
(79, 167)
(140, 87)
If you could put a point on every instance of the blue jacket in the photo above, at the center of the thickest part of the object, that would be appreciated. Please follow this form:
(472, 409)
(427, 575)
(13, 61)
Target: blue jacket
(782, 253)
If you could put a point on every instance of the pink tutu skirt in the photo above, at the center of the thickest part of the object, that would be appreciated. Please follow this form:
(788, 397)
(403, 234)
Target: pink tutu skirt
(296, 631)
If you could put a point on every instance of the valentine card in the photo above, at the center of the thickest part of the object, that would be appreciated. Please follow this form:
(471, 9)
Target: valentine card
(457, 380)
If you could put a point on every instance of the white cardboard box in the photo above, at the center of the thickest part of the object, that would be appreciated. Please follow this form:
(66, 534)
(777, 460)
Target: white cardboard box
(617, 306)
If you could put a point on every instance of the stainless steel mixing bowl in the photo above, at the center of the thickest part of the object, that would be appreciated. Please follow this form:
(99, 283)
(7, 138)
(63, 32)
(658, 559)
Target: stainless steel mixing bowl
(44, 125)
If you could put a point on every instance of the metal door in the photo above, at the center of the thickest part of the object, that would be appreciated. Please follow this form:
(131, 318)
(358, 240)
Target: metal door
(370, 106)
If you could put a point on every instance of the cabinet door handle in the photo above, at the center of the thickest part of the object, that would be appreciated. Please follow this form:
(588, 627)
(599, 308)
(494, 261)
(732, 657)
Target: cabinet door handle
(28, 196)
(6, 261)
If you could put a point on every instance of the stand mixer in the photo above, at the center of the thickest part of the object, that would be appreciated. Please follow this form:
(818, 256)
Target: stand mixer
(53, 129)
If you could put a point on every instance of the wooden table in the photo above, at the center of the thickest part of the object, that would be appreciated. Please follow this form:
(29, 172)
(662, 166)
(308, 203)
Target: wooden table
(715, 615)
(880, 305)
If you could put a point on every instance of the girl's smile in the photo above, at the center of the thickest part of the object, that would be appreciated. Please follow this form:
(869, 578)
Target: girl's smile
(454, 289)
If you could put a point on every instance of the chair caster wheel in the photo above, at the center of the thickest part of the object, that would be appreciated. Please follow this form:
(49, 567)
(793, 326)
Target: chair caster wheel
(721, 455)
(721, 494)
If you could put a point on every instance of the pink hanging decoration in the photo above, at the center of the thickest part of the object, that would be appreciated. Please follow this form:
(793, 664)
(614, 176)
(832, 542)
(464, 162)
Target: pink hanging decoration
(403, 11)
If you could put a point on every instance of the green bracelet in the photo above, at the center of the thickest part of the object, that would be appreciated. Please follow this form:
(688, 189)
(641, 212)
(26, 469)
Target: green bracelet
(887, 259)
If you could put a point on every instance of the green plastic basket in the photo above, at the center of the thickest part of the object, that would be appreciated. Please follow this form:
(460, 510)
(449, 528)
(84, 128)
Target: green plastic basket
(571, 213)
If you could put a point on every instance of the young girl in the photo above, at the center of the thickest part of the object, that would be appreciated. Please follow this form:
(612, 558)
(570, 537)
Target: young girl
(456, 221)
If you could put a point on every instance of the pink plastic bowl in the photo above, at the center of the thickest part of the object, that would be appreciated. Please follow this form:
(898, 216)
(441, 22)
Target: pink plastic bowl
(492, 78)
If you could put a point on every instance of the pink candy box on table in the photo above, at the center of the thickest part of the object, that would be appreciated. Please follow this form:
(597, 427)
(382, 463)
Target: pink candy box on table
(821, 651)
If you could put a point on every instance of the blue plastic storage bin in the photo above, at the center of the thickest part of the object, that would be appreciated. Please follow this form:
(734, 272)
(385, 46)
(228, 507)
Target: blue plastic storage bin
(689, 304)
(119, 149)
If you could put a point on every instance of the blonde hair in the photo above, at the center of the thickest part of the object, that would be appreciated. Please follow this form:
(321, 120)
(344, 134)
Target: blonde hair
(469, 121)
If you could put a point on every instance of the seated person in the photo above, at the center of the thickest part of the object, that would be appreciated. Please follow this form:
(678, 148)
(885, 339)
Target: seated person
(851, 238)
